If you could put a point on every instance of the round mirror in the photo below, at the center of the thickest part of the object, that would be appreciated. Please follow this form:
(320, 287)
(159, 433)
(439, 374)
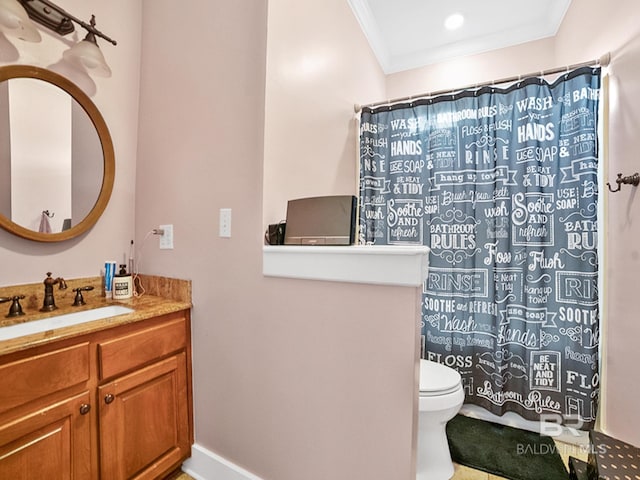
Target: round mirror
(57, 162)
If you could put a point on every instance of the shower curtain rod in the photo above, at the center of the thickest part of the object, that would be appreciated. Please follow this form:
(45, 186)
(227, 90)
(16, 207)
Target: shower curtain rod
(602, 61)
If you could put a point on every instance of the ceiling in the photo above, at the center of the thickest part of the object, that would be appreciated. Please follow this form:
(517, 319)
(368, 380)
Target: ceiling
(406, 34)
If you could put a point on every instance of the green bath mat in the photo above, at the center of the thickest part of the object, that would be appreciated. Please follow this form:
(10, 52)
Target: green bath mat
(504, 451)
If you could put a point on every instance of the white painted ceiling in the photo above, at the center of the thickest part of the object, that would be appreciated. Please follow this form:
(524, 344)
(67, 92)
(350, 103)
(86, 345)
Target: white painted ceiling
(406, 34)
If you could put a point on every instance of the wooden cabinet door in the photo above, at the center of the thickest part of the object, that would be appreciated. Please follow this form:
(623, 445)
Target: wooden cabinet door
(144, 425)
(53, 443)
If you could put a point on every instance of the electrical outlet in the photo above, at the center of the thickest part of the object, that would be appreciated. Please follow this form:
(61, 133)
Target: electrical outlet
(225, 222)
(166, 239)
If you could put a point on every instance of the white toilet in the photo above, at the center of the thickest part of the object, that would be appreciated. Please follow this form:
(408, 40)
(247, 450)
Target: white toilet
(441, 397)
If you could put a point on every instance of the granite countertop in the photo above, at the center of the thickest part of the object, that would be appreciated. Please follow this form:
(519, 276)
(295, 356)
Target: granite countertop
(162, 296)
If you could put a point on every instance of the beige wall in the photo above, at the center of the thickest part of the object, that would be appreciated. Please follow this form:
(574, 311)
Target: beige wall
(25, 261)
(292, 379)
(319, 65)
(464, 71)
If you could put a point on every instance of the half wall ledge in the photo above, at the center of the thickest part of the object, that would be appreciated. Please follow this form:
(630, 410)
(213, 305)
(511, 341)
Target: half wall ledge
(399, 265)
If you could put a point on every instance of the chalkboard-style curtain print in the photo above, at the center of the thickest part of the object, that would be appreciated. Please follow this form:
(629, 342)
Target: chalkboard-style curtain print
(501, 184)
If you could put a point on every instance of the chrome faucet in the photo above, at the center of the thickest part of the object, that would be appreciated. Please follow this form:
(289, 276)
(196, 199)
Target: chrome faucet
(49, 303)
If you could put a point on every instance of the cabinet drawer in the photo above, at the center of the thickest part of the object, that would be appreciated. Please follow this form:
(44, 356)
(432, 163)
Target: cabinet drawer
(130, 351)
(31, 378)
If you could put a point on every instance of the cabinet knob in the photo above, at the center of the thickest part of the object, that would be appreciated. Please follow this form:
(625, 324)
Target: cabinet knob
(108, 398)
(84, 408)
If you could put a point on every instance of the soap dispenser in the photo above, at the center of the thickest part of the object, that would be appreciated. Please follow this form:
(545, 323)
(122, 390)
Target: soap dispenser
(122, 284)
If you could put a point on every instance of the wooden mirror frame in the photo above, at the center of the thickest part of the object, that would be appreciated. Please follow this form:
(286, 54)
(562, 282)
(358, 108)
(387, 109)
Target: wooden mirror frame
(27, 71)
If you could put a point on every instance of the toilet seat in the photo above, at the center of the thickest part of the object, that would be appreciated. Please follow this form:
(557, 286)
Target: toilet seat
(437, 379)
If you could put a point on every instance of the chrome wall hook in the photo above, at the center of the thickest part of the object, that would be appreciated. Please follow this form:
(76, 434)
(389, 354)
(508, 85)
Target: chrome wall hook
(628, 180)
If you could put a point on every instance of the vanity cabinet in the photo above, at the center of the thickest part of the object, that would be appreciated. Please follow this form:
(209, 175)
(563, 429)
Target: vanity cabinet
(49, 442)
(114, 404)
(144, 415)
(50, 433)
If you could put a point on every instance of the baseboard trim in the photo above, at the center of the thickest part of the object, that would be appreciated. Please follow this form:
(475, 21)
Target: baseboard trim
(206, 465)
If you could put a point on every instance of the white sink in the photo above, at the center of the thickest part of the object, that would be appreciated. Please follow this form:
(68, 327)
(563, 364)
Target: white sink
(60, 321)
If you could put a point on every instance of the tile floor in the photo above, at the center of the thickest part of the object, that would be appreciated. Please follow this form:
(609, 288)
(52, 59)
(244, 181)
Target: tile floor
(184, 476)
(565, 450)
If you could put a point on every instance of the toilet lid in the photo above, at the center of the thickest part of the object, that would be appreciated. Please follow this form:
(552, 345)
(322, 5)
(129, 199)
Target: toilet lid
(438, 379)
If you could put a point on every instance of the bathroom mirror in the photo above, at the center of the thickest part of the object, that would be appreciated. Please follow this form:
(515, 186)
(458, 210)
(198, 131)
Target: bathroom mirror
(56, 156)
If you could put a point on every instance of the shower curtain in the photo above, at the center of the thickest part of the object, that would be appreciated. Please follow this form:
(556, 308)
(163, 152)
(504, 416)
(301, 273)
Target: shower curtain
(501, 184)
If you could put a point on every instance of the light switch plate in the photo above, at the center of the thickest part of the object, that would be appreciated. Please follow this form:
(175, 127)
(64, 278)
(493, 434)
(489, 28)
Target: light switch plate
(225, 222)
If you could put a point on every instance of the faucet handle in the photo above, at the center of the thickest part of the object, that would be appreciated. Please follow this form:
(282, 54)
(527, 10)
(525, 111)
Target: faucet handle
(62, 284)
(16, 309)
(79, 300)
